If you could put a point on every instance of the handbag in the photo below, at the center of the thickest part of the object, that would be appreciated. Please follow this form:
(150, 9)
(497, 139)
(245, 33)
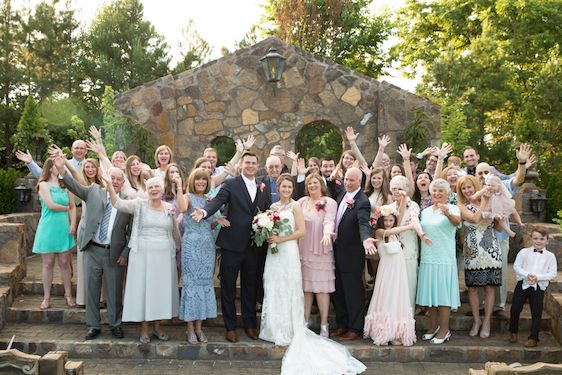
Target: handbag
(392, 247)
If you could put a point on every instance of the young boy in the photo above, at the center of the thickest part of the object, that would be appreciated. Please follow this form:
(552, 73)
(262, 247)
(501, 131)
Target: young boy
(534, 267)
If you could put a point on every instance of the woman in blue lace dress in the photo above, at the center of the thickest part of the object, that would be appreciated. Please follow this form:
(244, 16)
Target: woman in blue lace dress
(198, 300)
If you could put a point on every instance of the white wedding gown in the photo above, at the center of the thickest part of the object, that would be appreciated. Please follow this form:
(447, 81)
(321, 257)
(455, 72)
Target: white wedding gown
(282, 317)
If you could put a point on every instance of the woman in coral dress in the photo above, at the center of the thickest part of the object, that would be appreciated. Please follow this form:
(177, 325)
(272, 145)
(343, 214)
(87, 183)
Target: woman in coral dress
(316, 253)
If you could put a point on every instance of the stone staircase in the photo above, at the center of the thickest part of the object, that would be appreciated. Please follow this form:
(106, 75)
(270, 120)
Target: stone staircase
(61, 328)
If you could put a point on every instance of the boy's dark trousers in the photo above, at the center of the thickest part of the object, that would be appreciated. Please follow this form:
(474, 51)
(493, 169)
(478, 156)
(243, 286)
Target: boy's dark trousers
(535, 298)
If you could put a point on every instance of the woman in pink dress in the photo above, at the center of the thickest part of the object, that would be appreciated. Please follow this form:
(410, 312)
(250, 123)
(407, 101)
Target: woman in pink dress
(316, 254)
(390, 317)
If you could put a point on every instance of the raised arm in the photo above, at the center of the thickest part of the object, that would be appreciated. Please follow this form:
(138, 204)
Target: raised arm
(523, 155)
(383, 142)
(406, 152)
(74, 173)
(445, 150)
(352, 137)
(294, 167)
(127, 206)
(29, 162)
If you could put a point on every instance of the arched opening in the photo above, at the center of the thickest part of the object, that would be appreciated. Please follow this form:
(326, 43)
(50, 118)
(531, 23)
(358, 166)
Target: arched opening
(319, 139)
(226, 148)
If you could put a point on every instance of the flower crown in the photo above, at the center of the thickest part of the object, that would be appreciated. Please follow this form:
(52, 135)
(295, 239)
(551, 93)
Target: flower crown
(384, 211)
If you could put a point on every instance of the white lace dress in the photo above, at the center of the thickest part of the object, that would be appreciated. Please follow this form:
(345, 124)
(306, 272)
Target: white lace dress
(282, 319)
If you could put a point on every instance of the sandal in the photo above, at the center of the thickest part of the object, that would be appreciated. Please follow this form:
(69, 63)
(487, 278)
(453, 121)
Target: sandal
(144, 339)
(201, 337)
(160, 335)
(324, 330)
(45, 304)
(191, 337)
(70, 302)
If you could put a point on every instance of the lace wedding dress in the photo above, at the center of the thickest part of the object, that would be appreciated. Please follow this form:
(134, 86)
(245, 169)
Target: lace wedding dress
(282, 319)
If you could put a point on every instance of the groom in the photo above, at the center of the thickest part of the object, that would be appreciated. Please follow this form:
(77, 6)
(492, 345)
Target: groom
(353, 241)
(243, 197)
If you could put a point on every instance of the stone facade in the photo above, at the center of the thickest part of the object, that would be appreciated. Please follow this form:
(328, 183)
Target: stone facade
(230, 97)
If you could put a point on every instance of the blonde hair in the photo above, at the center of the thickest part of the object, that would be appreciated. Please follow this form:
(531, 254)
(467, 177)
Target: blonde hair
(461, 182)
(454, 160)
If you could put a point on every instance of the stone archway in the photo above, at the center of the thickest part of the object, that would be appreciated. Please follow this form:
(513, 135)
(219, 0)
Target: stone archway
(320, 139)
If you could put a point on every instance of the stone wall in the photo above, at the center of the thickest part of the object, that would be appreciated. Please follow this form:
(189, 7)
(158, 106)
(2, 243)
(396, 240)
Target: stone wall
(230, 97)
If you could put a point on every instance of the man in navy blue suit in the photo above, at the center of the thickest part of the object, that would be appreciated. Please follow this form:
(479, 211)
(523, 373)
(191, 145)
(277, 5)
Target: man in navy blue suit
(243, 196)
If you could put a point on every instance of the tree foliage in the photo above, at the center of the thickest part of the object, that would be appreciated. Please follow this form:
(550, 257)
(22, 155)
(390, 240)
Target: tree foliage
(196, 50)
(319, 139)
(31, 133)
(494, 67)
(344, 31)
(123, 50)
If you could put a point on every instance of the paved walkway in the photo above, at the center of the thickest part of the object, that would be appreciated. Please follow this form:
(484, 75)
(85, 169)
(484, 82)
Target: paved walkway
(174, 367)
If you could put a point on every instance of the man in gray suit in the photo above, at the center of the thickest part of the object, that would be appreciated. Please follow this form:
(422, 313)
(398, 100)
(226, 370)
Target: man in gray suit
(102, 235)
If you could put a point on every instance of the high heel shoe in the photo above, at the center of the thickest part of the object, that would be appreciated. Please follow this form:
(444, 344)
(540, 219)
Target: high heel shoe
(45, 304)
(70, 302)
(441, 341)
(192, 337)
(201, 337)
(160, 336)
(324, 330)
(430, 335)
(475, 328)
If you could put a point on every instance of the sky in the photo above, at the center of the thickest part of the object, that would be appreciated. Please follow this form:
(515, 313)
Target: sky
(220, 22)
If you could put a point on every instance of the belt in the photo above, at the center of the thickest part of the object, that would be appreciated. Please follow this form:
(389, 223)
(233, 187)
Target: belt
(100, 245)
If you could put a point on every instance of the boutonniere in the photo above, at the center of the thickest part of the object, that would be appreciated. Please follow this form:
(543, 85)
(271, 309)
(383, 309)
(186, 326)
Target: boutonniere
(209, 198)
(350, 203)
(321, 204)
(262, 186)
(172, 211)
(338, 182)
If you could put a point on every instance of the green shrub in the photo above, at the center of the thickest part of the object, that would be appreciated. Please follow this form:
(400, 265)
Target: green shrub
(8, 179)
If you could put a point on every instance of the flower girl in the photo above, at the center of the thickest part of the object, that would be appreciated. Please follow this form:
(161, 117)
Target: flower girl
(390, 317)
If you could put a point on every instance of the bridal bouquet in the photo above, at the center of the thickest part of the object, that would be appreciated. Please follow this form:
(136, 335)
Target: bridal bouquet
(267, 223)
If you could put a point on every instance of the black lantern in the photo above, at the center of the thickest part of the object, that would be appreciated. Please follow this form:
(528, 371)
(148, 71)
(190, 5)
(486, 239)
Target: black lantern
(273, 65)
(538, 202)
(22, 192)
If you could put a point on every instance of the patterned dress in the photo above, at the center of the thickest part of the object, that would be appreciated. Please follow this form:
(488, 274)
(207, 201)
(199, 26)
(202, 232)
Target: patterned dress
(198, 300)
(482, 254)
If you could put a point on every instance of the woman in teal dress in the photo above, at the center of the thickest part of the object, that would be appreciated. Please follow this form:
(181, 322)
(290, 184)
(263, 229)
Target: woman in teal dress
(438, 282)
(55, 233)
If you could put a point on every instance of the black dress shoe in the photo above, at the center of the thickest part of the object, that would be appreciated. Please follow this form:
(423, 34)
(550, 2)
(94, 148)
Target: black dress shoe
(117, 332)
(92, 333)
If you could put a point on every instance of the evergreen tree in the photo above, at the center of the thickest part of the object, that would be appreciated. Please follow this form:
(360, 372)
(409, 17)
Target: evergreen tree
(31, 133)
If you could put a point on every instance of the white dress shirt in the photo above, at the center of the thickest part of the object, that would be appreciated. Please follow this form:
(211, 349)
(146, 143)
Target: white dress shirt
(542, 265)
(343, 206)
(251, 186)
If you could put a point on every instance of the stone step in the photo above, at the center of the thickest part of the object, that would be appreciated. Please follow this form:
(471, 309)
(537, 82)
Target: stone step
(25, 308)
(42, 338)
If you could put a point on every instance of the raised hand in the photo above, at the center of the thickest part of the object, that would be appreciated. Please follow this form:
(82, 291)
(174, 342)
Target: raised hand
(404, 151)
(95, 133)
(94, 146)
(530, 162)
(54, 151)
(301, 167)
(524, 153)
(239, 146)
(291, 155)
(177, 180)
(384, 141)
(24, 156)
(366, 170)
(350, 134)
(445, 150)
(249, 142)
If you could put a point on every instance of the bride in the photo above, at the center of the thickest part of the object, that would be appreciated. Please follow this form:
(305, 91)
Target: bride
(282, 318)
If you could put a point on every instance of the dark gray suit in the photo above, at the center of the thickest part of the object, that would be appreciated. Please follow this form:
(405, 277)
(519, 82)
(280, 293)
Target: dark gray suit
(98, 260)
